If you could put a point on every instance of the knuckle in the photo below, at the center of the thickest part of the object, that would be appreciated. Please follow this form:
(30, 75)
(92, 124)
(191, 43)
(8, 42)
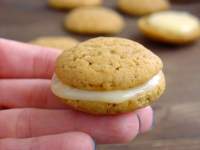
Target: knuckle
(5, 144)
(35, 144)
(2, 144)
(41, 64)
(38, 96)
(23, 124)
(74, 142)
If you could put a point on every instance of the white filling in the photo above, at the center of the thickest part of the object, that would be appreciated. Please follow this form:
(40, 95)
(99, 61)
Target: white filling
(117, 96)
(173, 21)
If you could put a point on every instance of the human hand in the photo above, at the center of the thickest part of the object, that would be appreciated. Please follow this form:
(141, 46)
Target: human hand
(31, 117)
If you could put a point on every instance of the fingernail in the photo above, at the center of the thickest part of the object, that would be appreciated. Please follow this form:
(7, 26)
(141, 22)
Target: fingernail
(94, 144)
(153, 121)
(138, 117)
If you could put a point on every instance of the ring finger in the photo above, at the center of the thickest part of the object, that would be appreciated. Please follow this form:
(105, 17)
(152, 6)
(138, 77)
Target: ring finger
(23, 123)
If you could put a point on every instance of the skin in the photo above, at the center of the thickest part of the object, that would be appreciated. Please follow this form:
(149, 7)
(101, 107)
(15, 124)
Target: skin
(31, 117)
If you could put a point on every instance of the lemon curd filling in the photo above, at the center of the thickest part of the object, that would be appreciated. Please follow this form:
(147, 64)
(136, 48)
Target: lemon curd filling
(175, 22)
(118, 96)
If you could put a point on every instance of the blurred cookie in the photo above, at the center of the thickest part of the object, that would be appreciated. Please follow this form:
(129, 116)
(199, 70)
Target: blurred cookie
(59, 42)
(69, 4)
(171, 27)
(142, 7)
(94, 20)
(108, 76)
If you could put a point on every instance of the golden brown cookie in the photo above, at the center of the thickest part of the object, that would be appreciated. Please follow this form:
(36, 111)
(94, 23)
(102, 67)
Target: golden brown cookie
(70, 4)
(142, 7)
(59, 42)
(94, 20)
(108, 75)
(171, 27)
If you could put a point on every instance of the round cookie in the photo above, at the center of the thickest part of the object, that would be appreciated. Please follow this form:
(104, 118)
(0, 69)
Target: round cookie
(59, 42)
(142, 7)
(108, 75)
(70, 4)
(94, 20)
(171, 27)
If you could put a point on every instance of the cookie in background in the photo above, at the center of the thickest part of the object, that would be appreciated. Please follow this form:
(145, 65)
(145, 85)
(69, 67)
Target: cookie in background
(94, 20)
(142, 7)
(70, 4)
(58, 42)
(174, 27)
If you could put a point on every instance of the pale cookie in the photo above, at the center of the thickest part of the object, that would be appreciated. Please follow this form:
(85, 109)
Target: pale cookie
(58, 42)
(108, 76)
(70, 4)
(142, 7)
(171, 27)
(94, 20)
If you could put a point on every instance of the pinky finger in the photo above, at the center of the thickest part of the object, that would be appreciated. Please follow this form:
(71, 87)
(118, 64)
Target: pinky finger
(67, 141)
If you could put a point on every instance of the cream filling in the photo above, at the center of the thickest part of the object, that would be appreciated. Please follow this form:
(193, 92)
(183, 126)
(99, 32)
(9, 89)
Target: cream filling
(117, 96)
(174, 21)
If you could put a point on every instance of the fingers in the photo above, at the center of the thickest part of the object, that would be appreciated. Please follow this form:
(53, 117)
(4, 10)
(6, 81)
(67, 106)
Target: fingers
(104, 129)
(28, 93)
(20, 60)
(67, 141)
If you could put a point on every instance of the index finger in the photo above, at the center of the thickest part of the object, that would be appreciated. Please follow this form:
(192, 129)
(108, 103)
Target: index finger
(21, 60)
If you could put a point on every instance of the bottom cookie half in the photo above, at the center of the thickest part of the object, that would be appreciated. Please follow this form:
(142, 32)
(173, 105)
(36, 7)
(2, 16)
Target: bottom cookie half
(103, 108)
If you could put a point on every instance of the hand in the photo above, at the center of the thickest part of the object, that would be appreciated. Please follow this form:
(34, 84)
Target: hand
(31, 117)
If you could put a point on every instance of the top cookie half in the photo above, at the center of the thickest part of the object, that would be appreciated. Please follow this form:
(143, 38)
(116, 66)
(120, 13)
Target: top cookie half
(107, 63)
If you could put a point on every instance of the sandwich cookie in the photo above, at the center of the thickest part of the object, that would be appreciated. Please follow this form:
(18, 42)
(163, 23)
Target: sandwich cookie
(171, 27)
(142, 7)
(58, 42)
(108, 75)
(94, 20)
(70, 4)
